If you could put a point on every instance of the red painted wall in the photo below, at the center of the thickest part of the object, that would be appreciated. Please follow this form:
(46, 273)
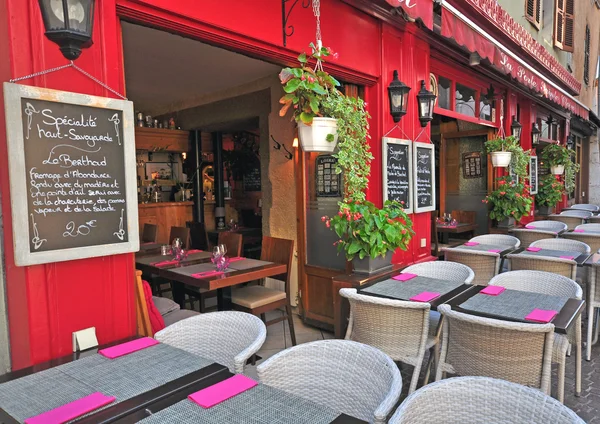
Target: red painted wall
(46, 303)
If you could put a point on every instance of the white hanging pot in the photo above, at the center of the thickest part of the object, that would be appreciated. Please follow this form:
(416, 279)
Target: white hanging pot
(314, 137)
(501, 159)
(557, 169)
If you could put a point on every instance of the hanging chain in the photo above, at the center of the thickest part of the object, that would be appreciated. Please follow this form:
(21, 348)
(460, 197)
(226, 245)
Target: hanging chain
(70, 65)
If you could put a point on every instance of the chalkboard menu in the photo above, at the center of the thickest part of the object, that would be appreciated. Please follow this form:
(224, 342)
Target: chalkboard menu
(252, 180)
(533, 174)
(329, 184)
(397, 171)
(472, 165)
(72, 175)
(424, 183)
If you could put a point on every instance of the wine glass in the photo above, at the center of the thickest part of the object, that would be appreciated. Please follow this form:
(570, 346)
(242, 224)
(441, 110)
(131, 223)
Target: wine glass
(216, 255)
(223, 249)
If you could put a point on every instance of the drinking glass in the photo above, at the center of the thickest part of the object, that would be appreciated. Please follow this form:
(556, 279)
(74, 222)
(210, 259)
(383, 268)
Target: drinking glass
(223, 249)
(216, 255)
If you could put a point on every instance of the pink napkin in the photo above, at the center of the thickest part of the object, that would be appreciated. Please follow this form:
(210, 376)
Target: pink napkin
(471, 243)
(567, 257)
(541, 315)
(237, 258)
(222, 391)
(580, 230)
(493, 290)
(194, 251)
(534, 249)
(127, 348)
(148, 243)
(531, 227)
(206, 274)
(494, 250)
(404, 277)
(72, 410)
(164, 263)
(425, 297)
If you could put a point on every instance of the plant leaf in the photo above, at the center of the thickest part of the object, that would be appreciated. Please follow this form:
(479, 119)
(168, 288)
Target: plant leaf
(292, 85)
(307, 118)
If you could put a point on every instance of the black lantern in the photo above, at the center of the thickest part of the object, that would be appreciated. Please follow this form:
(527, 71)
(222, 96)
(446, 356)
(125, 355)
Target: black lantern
(69, 24)
(516, 128)
(426, 100)
(570, 142)
(398, 94)
(535, 134)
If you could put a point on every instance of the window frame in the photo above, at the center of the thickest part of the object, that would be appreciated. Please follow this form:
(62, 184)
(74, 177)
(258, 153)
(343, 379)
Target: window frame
(536, 6)
(564, 25)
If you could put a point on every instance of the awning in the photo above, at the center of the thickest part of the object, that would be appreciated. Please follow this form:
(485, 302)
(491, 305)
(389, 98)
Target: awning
(416, 9)
(465, 33)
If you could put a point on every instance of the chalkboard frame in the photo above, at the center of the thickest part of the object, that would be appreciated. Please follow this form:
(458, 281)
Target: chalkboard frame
(419, 145)
(533, 168)
(391, 140)
(13, 93)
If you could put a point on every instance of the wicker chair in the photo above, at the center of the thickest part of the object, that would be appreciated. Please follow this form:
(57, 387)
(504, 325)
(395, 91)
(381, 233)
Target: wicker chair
(517, 352)
(347, 376)
(562, 244)
(498, 240)
(481, 400)
(594, 219)
(398, 328)
(526, 236)
(570, 220)
(546, 225)
(586, 207)
(589, 227)
(593, 303)
(591, 240)
(484, 264)
(553, 285)
(228, 337)
(578, 213)
(565, 267)
(443, 270)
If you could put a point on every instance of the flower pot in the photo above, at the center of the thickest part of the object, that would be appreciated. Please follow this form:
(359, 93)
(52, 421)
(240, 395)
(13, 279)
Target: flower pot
(506, 223)
(368, 265)
(314, 137)
(545, 210)
(557, 169)
(501, 159)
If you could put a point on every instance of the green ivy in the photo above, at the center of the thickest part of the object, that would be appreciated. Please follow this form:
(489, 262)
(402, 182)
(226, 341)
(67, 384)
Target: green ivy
(571, 170)
(556, 155)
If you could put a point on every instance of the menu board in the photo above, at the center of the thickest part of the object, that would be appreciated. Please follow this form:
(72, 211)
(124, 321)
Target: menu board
(424, 183)
(329, 184)
(252, 180)
(72, 175)
(397, 171)
(472, 165)
(533, 174)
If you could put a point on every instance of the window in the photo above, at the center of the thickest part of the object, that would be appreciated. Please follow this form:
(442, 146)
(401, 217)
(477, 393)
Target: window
(586, 58)
(533, 12)
(444, 86)
(465, 100)
(564, 29)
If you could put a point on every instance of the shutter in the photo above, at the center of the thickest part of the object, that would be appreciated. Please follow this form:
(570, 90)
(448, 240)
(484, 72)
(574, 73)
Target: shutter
(533, 12)
(559, 20)
(586, 59)
(569, 26)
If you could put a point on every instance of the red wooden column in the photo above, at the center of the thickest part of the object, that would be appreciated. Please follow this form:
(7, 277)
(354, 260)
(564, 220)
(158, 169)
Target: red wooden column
(46, 303)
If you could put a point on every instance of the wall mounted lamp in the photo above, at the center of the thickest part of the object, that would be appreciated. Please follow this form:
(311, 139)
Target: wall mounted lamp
(535, 134)
(398, 96)
(426, 101)
(516, 128)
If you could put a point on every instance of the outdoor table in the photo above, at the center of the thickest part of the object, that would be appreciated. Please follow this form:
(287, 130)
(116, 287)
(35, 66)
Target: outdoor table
(592, 259)
(514, 305)
(239, 272)
(135, 380)
(454, 229)
(503, 250)
(580, 258)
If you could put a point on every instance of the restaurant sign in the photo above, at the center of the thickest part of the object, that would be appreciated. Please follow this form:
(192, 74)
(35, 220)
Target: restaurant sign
(72, 171)
(416, 9)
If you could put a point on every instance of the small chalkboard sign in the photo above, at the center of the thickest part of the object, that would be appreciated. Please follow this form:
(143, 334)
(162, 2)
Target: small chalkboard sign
(252, 180)
(424, 180)
(397, 172)
(329, 184)
(533, 174)
(72, 174)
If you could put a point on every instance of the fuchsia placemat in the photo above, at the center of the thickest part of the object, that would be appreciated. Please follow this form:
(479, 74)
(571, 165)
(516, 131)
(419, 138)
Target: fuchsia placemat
(129, 347)
(471, 243)
(567, 257)
(164, 263)
(236, 258)
(222, 391)
(531, 227)
(541, 315)
(425, 297)
(72, 410)
(534, 249)
(207, 274)
(404, 276)
(493, 290)
(579, 230)
(494, 250)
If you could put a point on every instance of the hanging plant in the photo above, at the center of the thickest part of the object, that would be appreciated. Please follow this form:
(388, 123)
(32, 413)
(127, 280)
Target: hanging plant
(557, 157)
(571, 170)
(518, 158)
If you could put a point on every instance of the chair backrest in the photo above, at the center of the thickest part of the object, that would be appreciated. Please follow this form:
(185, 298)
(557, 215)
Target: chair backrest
(476, 346)
(589, 227)
(498, 240)
(144, 328)
(280, 251)
(547, 225)
(464, 217)
(577, 213)
(526, 236)
(232, 241)
(570, 220)
(149, 233)
(538, 282)
(349, 377)
(198, 235)
(594, 219)
(586, 207)
(562, 244)
(565, 267)
(484, 264)
(182, 233)
(227, 337)
(589, 239)
(444, 270)
(458, 400)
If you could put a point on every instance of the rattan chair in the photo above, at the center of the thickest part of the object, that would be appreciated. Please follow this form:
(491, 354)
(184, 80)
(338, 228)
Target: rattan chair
(595, 219)
(570, 220)
(589, 227)
(553, 285)
(498, 240)
(578, 213)
(484, 264)
(562, 244)
(398, 328)
(465, 400)
(476, 346)
(560, 266)
(228, 337)
(527, 236)
(586, 207)
(443, 270)
(593, 303)
(591, 240)
(547, 225)
(346, 376)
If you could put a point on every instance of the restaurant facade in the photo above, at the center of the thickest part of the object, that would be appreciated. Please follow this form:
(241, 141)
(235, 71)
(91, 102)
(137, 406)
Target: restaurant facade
(467, 47)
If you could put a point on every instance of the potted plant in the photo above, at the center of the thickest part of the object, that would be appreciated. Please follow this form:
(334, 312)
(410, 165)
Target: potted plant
(306, 89)
(509, 202)
(550, 192)
(571, 170)
(501, 150)
(557, 157)
(369, 235)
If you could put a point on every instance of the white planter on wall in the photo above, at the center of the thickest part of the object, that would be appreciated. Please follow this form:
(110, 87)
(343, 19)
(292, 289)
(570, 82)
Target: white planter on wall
(314, 137)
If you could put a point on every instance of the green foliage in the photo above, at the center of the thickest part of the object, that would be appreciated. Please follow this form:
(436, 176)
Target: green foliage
(556, 155)
(365, 230)
(550, 191)
(509, 200)
(571, 170)
(519, 160)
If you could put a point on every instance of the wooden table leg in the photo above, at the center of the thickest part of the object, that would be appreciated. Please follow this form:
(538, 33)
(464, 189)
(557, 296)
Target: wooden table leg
(224, 299)
(178, 293)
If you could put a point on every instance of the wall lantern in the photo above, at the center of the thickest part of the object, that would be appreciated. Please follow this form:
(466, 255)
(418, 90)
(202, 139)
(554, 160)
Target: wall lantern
(570, 142)
(535, 134)
(426, 100)
(69, 24)
(516, 128)
(398, 94)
